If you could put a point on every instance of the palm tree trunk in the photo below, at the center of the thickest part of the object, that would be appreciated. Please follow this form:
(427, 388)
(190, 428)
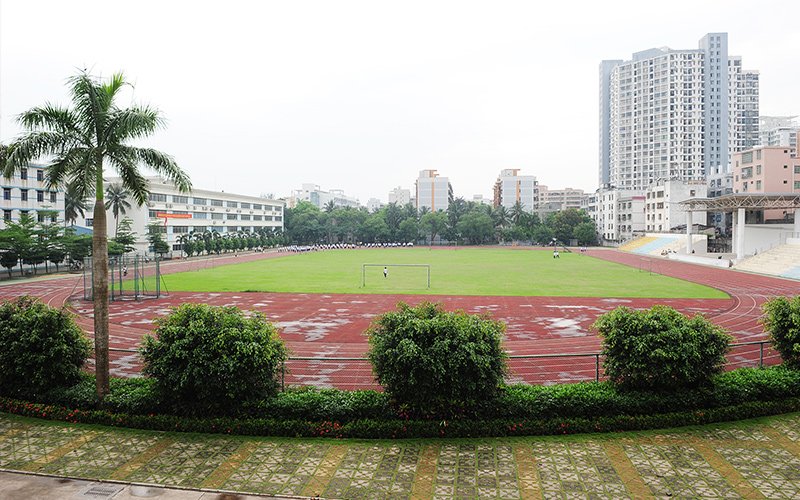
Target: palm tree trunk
(100, 295)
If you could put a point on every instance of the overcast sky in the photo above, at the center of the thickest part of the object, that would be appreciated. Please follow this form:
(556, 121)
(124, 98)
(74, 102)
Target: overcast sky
(262, 97)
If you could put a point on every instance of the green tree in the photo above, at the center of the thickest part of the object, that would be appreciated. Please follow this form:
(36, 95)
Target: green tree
(781, 321)
(117, 201)
(209, 359)
(542, 235)
(563, 223)
(19, 238)
(660, 349)
(435, 223)
(517, 212)
(476, 227)
(155, 237)
(41, 348)
(125, 236)
(585, 233)
(437, 361)
(409, 231)
(81, 141)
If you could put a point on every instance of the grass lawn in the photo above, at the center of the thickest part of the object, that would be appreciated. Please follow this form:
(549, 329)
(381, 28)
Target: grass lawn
(465, 271)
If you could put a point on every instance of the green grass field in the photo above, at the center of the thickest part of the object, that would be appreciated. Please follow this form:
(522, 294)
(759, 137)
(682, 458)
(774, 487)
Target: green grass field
(466, 271)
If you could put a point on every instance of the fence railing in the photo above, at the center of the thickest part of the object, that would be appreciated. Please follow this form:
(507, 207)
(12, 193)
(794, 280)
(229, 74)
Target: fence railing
(533, 369)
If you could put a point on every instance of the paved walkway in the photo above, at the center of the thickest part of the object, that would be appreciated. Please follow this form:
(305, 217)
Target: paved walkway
(749, 460)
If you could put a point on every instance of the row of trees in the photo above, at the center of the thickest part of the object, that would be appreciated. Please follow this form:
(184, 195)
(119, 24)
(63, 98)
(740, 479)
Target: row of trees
(211, 242)
(463, 221)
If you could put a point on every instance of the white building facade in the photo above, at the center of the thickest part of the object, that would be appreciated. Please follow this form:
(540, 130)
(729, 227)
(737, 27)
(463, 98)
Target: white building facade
(511, 188)
(400, 196)
(433, 191)
(26, 193)
(313, 194)
(201, 210)
(674, 114)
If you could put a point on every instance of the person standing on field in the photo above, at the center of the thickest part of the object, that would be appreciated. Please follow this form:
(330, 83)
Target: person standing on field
(385, 272)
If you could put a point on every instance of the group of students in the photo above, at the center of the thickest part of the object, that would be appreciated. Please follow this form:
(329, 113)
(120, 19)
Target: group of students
(339, 246)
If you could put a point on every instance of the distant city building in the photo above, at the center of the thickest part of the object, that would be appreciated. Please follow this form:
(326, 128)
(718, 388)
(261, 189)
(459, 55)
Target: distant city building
(511, 188)
(432, 191)
(374, 204)
(25, 193)
(675, 114)
(560, 199)
(400, 196)
(662, 210)
(720, 183)
(313, 194)
(767, 170)
(180, 213)
(617, 213)
(479, 198)
(779, 131)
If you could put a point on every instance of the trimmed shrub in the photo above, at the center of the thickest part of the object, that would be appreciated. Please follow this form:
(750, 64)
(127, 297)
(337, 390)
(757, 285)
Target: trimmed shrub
(781, 321)
(212, 360)
(436, 361)
(660, 349)
(41, 348)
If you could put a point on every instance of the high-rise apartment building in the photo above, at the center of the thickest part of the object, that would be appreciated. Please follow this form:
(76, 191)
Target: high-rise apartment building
(432, 191)
(674, 114)
(400, 196)
(511, 188)
(778, 130)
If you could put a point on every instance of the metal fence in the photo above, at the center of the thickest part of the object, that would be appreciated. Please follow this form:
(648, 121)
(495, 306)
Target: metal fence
(535, 369)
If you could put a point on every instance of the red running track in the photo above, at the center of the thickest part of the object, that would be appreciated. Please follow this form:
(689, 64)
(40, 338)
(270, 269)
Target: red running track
(331, 325)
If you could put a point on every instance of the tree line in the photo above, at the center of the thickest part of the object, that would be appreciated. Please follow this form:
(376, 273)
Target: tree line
(464, 222)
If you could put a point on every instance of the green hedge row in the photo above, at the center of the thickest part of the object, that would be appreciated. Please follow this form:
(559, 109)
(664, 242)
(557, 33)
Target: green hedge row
(518, 410)
(402, 429)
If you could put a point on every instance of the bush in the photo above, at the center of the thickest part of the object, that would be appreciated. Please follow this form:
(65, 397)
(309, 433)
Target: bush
(437, 361)
(782, 321)
(41, 348)
(213, 359)
(660, 349)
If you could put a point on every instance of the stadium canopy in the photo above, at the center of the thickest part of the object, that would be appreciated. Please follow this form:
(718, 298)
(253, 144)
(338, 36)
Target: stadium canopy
(737, 204)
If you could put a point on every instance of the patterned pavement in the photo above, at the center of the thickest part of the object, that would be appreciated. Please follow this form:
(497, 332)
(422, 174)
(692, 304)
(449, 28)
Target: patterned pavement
(755, 459)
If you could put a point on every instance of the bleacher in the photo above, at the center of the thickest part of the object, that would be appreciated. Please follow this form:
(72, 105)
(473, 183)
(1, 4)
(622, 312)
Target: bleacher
(781, 260)
(652, 245)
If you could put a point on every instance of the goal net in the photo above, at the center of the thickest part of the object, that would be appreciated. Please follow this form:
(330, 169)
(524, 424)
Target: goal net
(396, 275)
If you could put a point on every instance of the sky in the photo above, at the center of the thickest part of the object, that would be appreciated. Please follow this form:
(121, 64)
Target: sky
(262, 97)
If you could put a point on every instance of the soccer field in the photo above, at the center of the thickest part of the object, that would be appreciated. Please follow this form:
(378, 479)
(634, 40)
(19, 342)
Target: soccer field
(465, 271)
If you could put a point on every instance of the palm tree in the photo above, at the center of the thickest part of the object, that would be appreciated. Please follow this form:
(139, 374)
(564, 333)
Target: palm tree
(117, 201)
(516, 212)
(74, 205)
(79, 142)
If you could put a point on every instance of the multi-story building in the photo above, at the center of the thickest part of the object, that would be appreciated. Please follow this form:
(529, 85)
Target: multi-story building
(778, 131)
(313, 194)
(767, 170)
(183, 213)
(674, 114)
(26, 193)
(432, 191)
(662, 210)
(617, 213)
(511, 188)
(400, 196)
(561, 199)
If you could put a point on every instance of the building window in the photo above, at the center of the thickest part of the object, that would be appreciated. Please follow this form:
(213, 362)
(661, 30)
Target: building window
(23, 194)
(231, 216)
(199, 229)
(152, 214)
(6, 214)
(40, 175)
(180, 199)
(232, 204)
(89, 222)
(256, 217)
(6, 193)
(216, 216)
(40, 216)
(200, 201)
(797, 184)
(758, 154)
(797, 169)
(158, 197)
(52, 196)
(758, 169)
(180, 229)
(177, 247)
(54, 219)
(256, 206)
(200, 215)
(216, 203)
(758, 185)
(245, 205)
(40, 196)
(23, 173)
(245, 217)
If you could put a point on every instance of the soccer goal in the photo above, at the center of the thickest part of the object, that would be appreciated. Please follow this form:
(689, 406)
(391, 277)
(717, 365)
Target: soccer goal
(406, 273)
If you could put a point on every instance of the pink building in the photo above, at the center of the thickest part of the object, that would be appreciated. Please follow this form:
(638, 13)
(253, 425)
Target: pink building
(767, 170)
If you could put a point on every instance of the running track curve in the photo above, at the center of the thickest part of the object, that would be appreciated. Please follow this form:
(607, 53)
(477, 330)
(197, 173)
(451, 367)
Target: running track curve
(331, 325)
